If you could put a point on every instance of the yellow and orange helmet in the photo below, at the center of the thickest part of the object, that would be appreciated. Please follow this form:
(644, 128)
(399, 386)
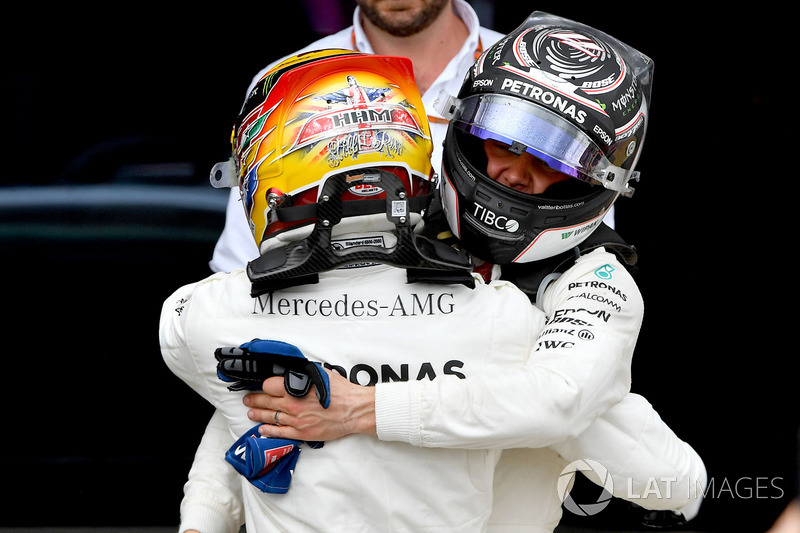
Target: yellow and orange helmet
(324, 113)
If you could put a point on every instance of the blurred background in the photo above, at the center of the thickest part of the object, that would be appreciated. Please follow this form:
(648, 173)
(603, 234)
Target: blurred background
(112, 119)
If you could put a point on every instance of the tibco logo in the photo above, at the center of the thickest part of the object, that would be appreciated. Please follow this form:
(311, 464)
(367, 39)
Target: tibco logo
(490, 218)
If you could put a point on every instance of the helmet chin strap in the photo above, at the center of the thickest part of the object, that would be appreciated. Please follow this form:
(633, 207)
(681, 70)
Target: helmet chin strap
(300, 262)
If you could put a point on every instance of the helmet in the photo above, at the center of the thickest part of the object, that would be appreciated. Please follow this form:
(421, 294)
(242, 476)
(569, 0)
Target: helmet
(333, 142)
(570, 95)
(322, 114)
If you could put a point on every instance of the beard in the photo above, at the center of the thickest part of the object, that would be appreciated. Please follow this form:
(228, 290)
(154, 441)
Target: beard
(402, 23)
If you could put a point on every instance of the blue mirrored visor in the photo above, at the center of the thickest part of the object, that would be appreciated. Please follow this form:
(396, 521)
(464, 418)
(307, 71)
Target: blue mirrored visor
(523, 125)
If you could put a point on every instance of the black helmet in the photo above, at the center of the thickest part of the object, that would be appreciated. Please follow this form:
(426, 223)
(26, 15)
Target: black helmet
(572, 96)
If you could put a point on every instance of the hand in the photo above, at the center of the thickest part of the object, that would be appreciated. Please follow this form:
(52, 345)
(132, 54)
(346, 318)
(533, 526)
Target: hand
(789, 520)
(352, 410)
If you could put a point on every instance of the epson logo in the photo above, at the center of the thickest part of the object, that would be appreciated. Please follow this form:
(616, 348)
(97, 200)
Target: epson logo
(492, 219)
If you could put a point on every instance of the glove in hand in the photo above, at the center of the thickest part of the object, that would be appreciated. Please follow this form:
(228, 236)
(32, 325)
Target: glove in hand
(247, 366)
(267, 463)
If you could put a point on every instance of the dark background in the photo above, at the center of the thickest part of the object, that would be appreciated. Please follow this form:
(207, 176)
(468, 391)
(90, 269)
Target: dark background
(111, 121)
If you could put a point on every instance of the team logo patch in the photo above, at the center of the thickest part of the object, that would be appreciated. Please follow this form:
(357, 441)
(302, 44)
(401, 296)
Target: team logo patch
(604, 272)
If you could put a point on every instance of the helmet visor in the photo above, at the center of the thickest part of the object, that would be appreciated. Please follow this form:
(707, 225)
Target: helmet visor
(526, 126)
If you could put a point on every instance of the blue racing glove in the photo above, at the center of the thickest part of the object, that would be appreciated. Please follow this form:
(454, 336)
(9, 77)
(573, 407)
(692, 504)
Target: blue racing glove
(267, 463)
(247, 366)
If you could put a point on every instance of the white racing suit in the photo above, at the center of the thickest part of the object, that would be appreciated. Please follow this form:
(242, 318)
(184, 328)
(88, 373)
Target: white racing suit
(372, 324)
(552, 400)
(562, 404)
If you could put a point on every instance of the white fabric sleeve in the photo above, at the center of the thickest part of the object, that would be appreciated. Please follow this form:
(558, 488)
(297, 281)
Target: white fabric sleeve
(649, 464)
(578, 370)
(235, 246)
(212, 501)
(172, 338)
(212, 496)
